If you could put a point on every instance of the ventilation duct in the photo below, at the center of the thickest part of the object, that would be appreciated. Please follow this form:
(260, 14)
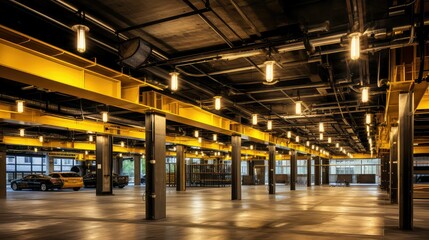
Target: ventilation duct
(134, 52)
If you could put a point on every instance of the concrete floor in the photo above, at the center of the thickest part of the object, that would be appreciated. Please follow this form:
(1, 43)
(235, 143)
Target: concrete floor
(356, 212)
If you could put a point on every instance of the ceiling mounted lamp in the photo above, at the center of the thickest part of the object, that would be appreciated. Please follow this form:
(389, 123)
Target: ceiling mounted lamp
(297, 139)
(321, 127)
(104, 116)
(196, 133)
(41, 139)
(365, 94)
(174, 82)
(269, 124)
(254, 119)
(21, 132)
(368, 118)
(354, 45)
(218, 103)
(329, 140)
(20, 106)
(90, 138)
(289, 134)
(298, 107)
(215, 137)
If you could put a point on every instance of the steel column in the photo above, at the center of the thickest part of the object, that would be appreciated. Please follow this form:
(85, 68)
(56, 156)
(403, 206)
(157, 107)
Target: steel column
(325, 171)
(308, 170)
(49, 164)
(137, 169)
(317, 171)
(236, 167)
(293, 169)
(393, 159)
(155, 166)
(103, 153)
(405, 160)
(272, 169)
(180, 168)
(2, 171)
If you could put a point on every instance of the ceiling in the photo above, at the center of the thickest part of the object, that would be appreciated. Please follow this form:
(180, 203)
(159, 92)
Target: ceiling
(219, 48)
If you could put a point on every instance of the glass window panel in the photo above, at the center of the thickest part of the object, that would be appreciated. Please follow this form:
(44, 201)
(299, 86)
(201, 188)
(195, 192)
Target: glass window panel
(23, 168)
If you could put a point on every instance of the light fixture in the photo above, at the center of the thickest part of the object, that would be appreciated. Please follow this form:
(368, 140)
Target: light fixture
(174, 83)
(321, 136)
(202, 154)
(317, 148)
(370, 141)
(254, 119)
(86, 152)
(269, 74)
(298, 107)
(90, 138)
(215, 137)
(368, 118)
(297, 139)
(354, 45)
(217, 102)
(22, 132)
(200, 139)
(368, 134)
(41, 139)
(312, 147)
(174, 149)
(329, 140)
(80, 30)
(251, 147)
(365, 94)
(289, 134)
(20, 106)
(196, 133)
(35, 149)
(104, 116)
(341, 148)
(321, 127)
(269, 124)
(367, 128)
(122, 144)
(337, 145)
(120, 154)
(307, 143)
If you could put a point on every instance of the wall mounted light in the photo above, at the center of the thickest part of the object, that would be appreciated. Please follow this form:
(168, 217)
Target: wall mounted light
(174, 82)
(368, 118)
(321, 127)
(215, 137)
(22, 132)
(289, 134)
(254, 119)
(41, 139)
(218, 104)
(20, 106)
(269, 124)
(298, 109)
(90, 138)
(80, 30)
(269, 71)
(196, 133)
(355, 45)
(104, 116)
(329, 140)
(365, 94)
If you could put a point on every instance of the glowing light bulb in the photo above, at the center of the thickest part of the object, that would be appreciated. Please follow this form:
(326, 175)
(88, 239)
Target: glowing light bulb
(321, 136)
(307, 143)
(365, 94)
(174, 83)
(289, 134)
(254, 119)
(41, 139)
(321, 127)
(20, 106)
(297, 139)
(90, 138)
(269, 74)
(22, 132)
(218, 102)
(355, 45)
(104, 116)
(122, 144)
(298, 109)
(80, 37)
(368, 118)
(269, 124)
(215, 137)
(337, 145)
(196, 133)
(329, 140)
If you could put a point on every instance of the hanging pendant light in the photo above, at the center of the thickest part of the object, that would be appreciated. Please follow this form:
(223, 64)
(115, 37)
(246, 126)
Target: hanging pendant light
(269, 124)
(196, 133)
(307, 143)
(355, 45)
(20, 106)
(321, 127)
(254, 119)
(90, 138)
(104, 116)
(297, 139)
(41, 139)
(22, 132)
(174, 83)
(80, 30)
(215, 137)
(289, 134)
(269, 68)
(298, 109)
(329, 140)
(217, 102)
(365, 94)
(320, 136)
(368, 118)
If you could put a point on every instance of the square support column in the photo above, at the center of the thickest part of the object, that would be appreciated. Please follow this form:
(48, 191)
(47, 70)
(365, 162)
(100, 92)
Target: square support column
(405, 160)
(49, 164)
(317, 163)
(137, 169)
(103, 153)
(293, 169)
(308, 170)
(236, 167)
(393, 163)
(385, 169)
(2, 171)
(155, 166)
(180, 168)
(272, 169)
(325, 171)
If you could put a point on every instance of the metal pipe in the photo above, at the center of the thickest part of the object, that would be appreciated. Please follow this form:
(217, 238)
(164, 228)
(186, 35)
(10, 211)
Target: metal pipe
(303, 86)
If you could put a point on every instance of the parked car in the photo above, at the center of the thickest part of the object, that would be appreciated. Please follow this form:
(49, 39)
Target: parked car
(143, 179)
(70, 179)
(90, 180)
(36, 182)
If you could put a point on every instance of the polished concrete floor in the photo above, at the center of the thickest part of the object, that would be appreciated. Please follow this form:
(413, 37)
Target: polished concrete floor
(356, 212)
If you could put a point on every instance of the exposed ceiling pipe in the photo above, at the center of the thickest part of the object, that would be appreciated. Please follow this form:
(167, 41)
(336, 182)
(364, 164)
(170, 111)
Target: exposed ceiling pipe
(283, 98)
(321, 85)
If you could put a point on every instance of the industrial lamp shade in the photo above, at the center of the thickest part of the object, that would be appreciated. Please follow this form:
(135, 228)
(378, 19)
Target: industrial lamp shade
(354, 45)
(134, 52)
(80, 37)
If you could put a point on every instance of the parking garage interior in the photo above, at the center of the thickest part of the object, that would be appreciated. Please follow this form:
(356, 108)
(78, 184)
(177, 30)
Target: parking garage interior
(230, 119)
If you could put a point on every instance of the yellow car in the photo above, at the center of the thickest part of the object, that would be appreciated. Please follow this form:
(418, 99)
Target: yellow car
(70, 179)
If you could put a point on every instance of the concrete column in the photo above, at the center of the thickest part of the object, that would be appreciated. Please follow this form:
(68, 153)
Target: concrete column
(236, 167)
(293, 169)
(405, 160)
(272, 169)
(308, 170)
(137, 169)
(393, 164)
(49, 164)
(325, 171)
(155, 166)
(2, 171)
(317, 163)
(180, 168)
(103, 153)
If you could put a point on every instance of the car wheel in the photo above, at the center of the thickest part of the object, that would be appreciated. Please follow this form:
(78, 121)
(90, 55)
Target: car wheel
(43, 187)
(15, 187)
(76, 188)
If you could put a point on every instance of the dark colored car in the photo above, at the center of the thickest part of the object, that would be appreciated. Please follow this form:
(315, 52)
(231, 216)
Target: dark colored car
(36, 182)
(90, 180)
(143, 179)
